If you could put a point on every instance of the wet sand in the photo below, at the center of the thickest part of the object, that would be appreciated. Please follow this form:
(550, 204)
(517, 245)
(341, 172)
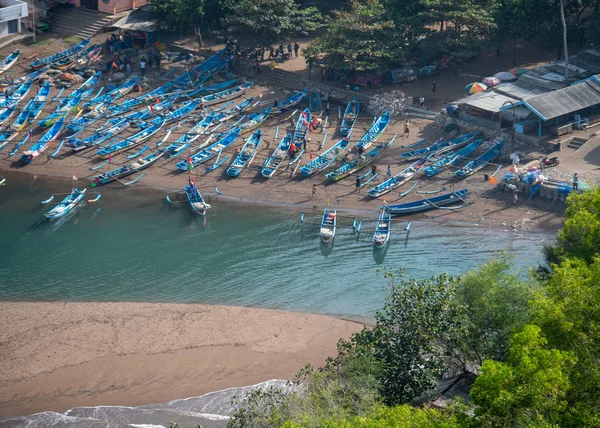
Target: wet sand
(55, 356)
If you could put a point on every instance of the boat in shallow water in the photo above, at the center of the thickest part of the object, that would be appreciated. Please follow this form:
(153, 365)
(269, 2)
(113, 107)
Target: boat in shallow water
(195, 200)
(328, 225)
(67, 204)
(383, 229)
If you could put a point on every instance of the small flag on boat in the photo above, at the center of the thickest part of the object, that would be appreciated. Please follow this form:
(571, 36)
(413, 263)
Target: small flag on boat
(156, 99)
(151, 109)
(74, 178)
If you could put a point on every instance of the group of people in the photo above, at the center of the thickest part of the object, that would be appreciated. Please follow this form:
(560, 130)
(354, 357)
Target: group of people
(293, 149)
(123, 63)
(279, 54)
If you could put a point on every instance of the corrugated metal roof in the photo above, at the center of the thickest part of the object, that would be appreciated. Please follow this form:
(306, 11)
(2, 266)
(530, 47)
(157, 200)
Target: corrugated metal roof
(567, 100)
(519, 90)
(488, 101)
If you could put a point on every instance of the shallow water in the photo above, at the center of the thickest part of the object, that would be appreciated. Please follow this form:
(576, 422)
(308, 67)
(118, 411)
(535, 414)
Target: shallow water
(133, 246)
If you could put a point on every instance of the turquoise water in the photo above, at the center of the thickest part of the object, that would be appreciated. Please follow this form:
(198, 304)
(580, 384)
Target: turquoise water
(132, 246)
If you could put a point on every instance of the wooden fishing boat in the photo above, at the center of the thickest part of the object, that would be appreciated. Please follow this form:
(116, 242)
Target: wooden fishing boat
(195, 200)
(14, 98)
(31, 77)
(58, 56)
(290, 102)
(6, 114)
(9, 61)
(60, 113)
(246, 154)
(328, 224)
(204, 70)
(375, 132)
(43, 143)
(439, 145)
(129, 169)
(78, 123)
(428, 204)
(302, 126)
(98, 138)
(383, 229)
(83, 90)
(351, 166)
(229, 94)
(315, 105)
(189, 137)
(452, 158)
(67, 204)
(238, 109)
(397, 180)
(32, 109)
(273, 162)
(129, 143)
(125, 106)
(350, 115)
(325, 159)
(210, 152)
(479, 163)
(254, 121)
(114, 95)
(172, 116)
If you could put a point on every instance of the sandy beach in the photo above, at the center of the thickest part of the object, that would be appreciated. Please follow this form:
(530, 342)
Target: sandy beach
(55, 356)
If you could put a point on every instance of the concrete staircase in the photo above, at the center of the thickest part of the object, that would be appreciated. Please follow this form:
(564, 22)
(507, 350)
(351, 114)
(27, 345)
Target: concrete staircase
(576, 143)
(79, 22)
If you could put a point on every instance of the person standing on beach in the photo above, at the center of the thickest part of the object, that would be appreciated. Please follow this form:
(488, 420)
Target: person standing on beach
(296, 47)
(289, 49)
(406, 129)
(373, 169)
(327, 109)
(315, 195)
(292, 151)
(358, 183)
(143, 66)
(389, 172)
(360, 151)
(575, 181)
(433, 87)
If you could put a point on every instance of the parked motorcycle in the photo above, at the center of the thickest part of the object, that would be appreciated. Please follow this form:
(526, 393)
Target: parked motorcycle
(549, 163)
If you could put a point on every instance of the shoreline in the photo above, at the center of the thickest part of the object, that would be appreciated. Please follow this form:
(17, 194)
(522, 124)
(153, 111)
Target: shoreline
(60, 355)
(512, 216)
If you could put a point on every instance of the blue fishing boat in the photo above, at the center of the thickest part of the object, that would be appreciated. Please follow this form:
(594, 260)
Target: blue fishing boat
(210, 152)
(173, 116)
(254, 121)
(125, 106)
(290, 102)
(351, 166)
(439, 145)
(129, 143)
(328, 225)
(479, 163)
(229, 94)
(58, 56)
(6, 114)
(397, 180)
(9, 61)
(238, 109)
(437, 202)
(383, 229)
(246, 154)
(350, 115)
(204, 70)
(325, 159)
(129, 169)
(375, 132)
(302, 126)
(192, 135)
(452, 158)
(15, 97)
(60, 113)
(97, 138)
(114, 95)
(67, 204)
(315, 105)
(273, 162)
(43, 143)
(32, 109)
(78, 123)
(82, 91)
(195, 200)
(31, 77)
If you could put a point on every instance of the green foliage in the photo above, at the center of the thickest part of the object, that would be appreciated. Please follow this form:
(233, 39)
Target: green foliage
(399, 416)
(580, 236)
(255, 408)
(529, 389)
(419, 322)
(361, 39)
(497, 305)
(265, 22)
(178, 14)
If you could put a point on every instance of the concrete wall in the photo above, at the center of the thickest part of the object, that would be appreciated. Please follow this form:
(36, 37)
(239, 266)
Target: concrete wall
(116, 6)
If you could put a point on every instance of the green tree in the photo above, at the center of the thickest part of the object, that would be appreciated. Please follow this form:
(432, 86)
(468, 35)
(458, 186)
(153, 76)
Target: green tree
(497, 305)
(415, 331)
(361, 39)
(265, 22)
(529, 389)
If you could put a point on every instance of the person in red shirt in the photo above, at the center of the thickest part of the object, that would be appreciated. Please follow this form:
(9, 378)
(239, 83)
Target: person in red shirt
(292, 151)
